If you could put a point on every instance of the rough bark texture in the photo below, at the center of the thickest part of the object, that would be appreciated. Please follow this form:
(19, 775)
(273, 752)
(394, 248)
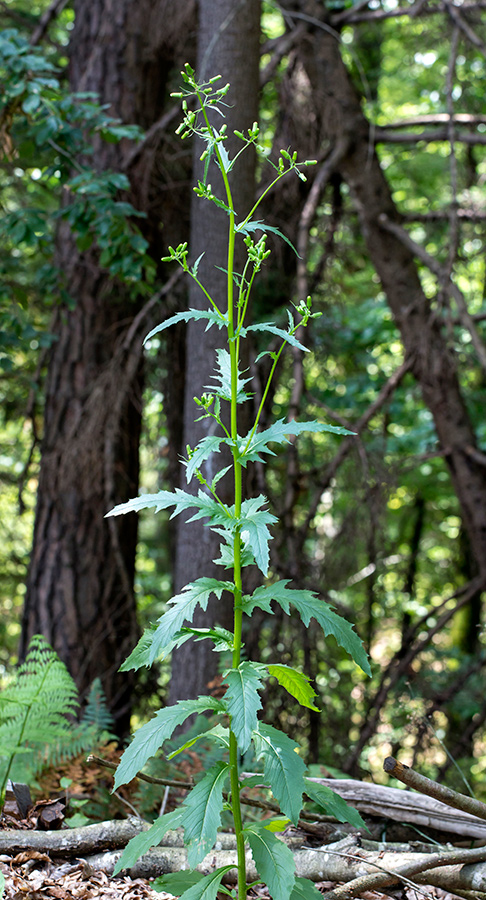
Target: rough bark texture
(79, 592)
(228, 36)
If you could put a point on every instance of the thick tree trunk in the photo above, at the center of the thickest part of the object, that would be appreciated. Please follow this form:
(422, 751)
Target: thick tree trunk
(79, 592)
(228, 45)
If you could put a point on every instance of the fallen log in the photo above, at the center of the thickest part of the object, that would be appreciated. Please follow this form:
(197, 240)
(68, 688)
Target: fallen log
(402, 806)
(73, 841)
(343, 861)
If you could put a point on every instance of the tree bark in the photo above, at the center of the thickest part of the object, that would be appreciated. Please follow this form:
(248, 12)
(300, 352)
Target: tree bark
(80, 583)
(228, 45)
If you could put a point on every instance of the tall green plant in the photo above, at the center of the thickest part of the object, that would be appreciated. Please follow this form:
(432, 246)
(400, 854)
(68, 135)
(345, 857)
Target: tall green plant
(243, 528)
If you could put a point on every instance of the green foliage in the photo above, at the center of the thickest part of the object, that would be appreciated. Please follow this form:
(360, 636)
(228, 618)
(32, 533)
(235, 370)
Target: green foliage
(244, 531)
(47, 137)
(34, 707)
(36, 716)
(273, 860)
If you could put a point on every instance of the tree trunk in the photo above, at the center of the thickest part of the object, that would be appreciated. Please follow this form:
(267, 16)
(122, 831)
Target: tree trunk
(228, 45)
(80, 582)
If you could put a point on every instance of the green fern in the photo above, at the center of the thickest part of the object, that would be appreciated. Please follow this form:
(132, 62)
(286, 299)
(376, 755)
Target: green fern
(96, 715)
(36, 716)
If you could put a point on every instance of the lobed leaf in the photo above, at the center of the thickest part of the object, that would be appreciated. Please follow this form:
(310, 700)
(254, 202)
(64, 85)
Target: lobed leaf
(152, 735)
(201, 813)
(278, 332)
(253, 524)
(141, 654)
(181, 501)
(223, 377)
(283, 768)
(296, 683)
(252, 447)
(257, 225)
(210, 315)
(181, 609)
(273, 859)
(209, 444)
(242, 700)
(142, 842)
(309, 606)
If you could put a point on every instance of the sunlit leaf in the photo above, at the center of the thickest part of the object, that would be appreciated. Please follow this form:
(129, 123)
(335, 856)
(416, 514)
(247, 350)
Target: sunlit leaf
(295, 683)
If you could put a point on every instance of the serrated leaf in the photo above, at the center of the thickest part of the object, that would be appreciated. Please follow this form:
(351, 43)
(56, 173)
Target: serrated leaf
(243, 701)
(332, 803)
(305, 889)
(142, 655)
(254, 523)
(209, 444)
(181, 609)
(222, 638)
(277, 433)
(283, 768)
(227, 558)
(210, 315)
(278, 332)
(218, 734)
(256, 225)
(202, 810)
(309, 606)
(150, 737)
(142, 842)
(296, 683)
(206, 888)
(223, 378)
(273, 859)
(181, 501)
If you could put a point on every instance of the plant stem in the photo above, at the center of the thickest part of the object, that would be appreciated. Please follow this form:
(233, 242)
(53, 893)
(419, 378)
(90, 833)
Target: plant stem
(238, 614)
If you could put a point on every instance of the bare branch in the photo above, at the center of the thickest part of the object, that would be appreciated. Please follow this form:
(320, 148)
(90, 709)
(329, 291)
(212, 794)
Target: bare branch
(420, 252)
(383, 135)
(458, 20)
(432, 789)
(437, 119)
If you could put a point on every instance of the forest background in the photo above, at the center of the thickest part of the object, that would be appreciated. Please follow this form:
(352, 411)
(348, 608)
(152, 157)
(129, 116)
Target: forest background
(390, 525)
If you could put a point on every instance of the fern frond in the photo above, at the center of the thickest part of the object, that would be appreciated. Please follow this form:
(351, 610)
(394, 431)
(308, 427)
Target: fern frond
(96, 713)
(34, 709)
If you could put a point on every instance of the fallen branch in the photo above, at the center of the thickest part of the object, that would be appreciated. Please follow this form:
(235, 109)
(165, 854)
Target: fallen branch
(432, 789)
(450, 869)
(73, 841)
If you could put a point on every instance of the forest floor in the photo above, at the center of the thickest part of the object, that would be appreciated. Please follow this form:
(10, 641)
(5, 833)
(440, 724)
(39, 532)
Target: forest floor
(33, 876)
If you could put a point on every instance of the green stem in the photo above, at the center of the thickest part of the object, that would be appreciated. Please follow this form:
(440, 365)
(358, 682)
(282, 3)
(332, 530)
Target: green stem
(238, 615)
